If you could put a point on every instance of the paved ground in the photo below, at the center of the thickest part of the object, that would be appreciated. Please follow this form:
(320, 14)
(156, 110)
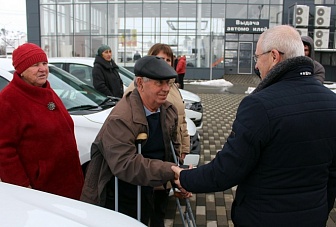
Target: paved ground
(214, 209)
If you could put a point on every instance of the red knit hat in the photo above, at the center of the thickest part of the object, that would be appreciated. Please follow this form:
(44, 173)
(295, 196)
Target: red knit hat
(27, 55)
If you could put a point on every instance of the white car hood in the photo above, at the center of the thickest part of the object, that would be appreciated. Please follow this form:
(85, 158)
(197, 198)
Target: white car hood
(31, 208)
(98, 117)
(86, 129)
(187, 95)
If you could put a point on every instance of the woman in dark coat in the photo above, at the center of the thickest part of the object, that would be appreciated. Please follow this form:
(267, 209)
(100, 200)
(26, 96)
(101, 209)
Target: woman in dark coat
(105, 75)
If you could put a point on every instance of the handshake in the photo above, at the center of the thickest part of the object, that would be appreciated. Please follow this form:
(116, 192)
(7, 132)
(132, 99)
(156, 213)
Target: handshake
(177, 184)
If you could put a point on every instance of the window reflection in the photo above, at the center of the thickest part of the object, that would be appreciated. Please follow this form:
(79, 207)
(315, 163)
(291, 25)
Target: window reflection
(192, 28)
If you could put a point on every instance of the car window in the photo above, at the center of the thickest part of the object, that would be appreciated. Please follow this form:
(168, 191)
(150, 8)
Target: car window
(72, 91)
(82, 72)
(126, 76)
(59, 65)
(3, 83)
(126, 73)
(126, 80)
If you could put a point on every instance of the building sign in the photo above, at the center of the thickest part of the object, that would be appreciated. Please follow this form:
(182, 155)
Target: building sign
(246, 26)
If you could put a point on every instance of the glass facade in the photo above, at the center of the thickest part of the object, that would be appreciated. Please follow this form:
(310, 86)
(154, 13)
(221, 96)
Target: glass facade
(195, 28)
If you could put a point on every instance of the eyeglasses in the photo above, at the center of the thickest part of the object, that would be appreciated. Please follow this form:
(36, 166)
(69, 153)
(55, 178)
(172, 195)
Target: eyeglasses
(256, 56)
(160, 83)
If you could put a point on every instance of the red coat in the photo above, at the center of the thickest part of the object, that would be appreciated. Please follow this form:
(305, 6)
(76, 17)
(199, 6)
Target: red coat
(37, 145)
(181, 65)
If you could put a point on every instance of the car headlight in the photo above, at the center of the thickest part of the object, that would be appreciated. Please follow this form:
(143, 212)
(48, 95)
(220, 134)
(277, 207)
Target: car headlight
(188, 104)
(191, 105)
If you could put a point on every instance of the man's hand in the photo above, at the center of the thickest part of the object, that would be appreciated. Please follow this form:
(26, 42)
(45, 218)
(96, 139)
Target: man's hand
(177, 170)
(182, 156)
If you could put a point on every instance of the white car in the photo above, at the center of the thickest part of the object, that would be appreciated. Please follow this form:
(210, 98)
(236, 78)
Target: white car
(31, 208)
(87, 107)
(81, 67)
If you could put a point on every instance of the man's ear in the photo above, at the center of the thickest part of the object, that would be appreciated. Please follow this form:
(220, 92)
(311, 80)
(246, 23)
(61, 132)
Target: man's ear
(139, 82)
(276, 55)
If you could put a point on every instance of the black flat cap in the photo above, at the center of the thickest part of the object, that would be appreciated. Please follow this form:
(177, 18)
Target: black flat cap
(154, 68)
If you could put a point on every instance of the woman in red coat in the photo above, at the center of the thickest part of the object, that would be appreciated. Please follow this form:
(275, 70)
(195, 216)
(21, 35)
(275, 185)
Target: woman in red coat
(37, 143)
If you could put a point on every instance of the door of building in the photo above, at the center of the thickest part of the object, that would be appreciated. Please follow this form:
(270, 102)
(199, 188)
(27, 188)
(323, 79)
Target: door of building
(245, 57)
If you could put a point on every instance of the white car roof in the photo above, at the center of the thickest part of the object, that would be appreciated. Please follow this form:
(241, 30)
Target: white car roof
(77, 60)
(7, 75)
(31, 208)
(6, 64)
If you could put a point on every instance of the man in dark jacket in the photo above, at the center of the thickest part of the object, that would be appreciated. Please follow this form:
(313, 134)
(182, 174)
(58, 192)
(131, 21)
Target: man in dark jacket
(319, 71)
(105, 75)
(282, 149)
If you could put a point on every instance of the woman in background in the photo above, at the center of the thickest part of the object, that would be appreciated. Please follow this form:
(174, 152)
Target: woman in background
(105, 76)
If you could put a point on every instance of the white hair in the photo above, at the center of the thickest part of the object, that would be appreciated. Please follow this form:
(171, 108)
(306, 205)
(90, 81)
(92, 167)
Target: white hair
(283, 38)
(145, 79)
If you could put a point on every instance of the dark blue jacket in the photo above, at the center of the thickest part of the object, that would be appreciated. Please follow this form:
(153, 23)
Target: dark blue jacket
(281, 152)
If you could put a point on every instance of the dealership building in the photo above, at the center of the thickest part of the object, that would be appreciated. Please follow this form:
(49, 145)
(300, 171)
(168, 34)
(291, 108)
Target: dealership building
(217, 36)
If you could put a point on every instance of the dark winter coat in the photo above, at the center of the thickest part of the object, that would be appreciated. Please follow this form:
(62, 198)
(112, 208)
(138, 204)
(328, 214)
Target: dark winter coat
(319, 71)
(106, 78)
(114, 152)
(281, 152)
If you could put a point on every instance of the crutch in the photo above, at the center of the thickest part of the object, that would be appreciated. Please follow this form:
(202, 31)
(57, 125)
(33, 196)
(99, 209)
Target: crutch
(141, 137)
(188, 213)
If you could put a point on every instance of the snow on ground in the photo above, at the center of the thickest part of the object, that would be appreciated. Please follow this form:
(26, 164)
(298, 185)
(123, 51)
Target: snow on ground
(249, 90)
(331, 86)
(217, 83)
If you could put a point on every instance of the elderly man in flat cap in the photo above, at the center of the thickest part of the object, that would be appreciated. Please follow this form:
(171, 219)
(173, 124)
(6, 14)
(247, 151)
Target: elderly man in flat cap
(114, 153)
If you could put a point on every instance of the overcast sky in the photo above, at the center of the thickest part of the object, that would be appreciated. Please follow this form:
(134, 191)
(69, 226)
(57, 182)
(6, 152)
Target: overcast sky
(13, 15)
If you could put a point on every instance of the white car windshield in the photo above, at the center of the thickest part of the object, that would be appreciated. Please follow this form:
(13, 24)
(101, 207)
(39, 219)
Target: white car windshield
(75, 94)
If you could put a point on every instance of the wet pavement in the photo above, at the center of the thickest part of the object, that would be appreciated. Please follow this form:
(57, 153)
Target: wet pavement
(219, 110)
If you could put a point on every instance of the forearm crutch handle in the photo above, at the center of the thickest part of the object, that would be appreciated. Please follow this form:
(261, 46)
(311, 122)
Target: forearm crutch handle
(140, 138)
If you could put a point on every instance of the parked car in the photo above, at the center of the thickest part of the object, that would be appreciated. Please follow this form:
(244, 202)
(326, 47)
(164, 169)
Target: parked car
(28, 207)
(87, 107)
(82, 68)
